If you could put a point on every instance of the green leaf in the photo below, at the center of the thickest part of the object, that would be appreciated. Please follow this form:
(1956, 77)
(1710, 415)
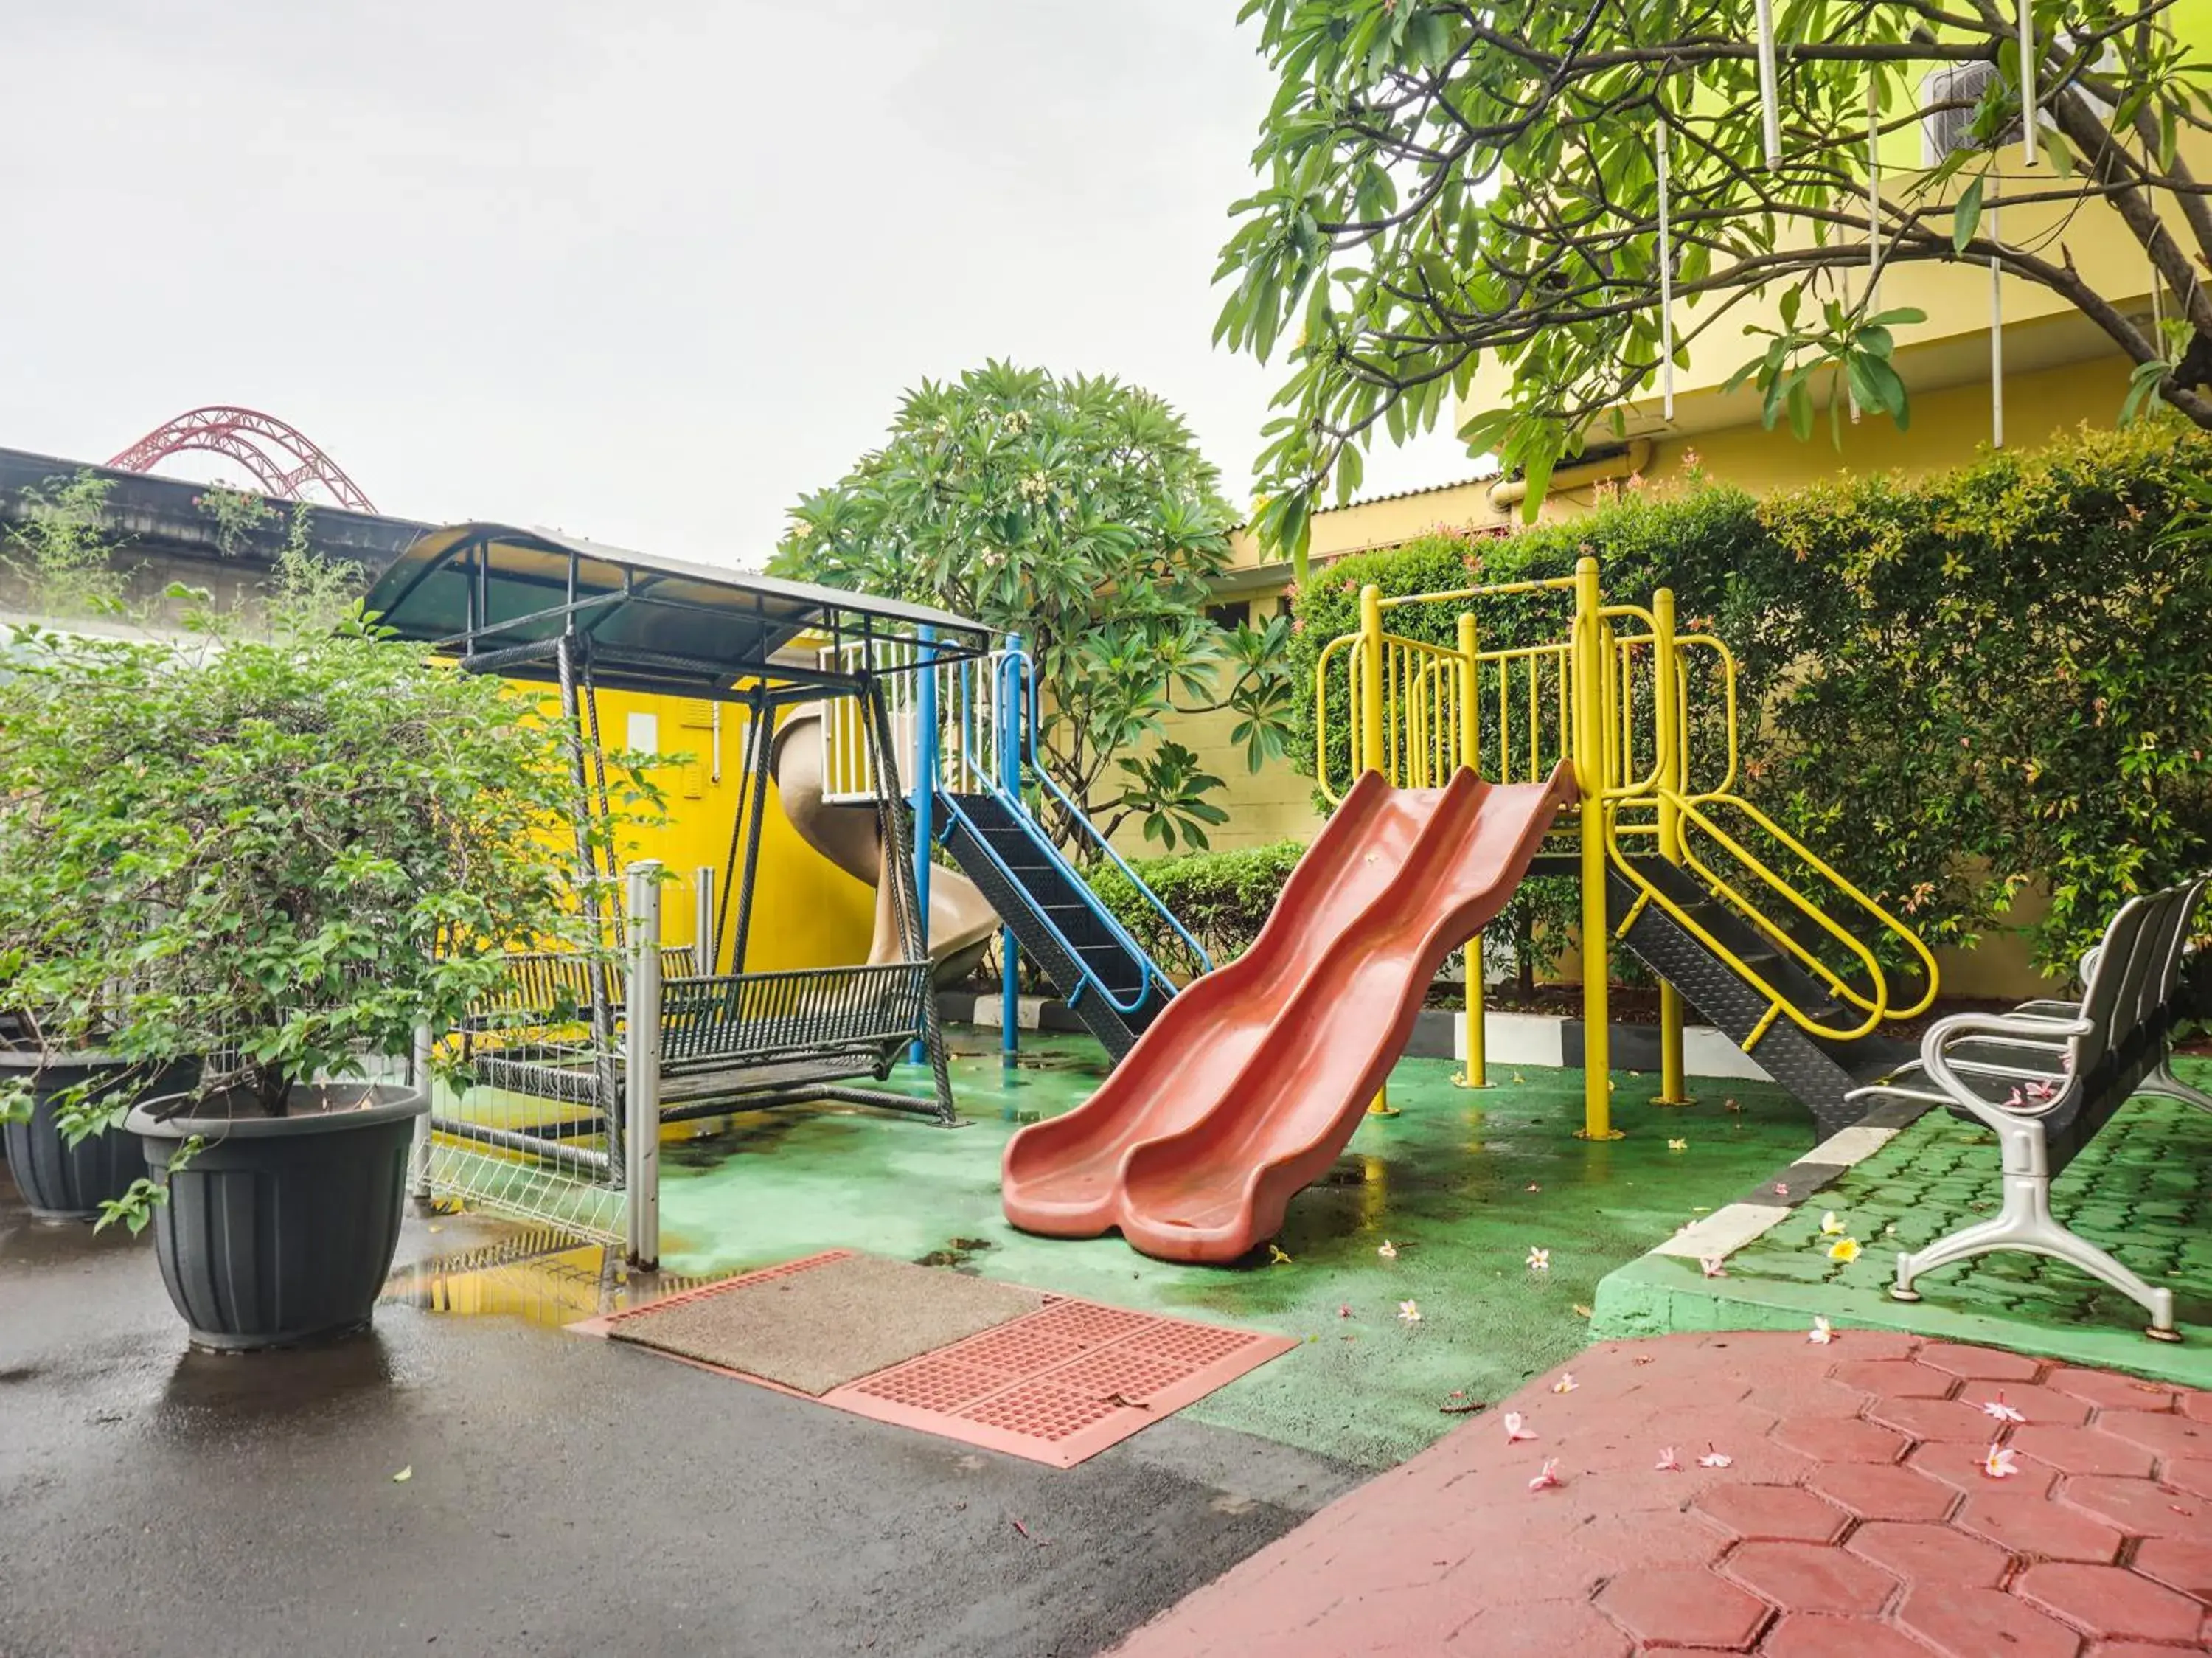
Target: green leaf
(1735, 382)
(1537, 470)
(1965, 217)
(1800, 409)
(2142, 387)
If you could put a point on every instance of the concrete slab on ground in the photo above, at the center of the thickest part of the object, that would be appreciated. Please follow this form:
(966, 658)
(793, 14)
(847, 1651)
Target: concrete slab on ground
(1829, 1499)
(813, 1327)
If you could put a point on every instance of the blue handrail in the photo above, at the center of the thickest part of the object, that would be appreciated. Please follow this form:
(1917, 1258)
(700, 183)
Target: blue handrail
(1091, 981)
(1026, 698)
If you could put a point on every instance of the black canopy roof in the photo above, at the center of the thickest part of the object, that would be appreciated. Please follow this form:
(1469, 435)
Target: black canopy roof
(499, 597)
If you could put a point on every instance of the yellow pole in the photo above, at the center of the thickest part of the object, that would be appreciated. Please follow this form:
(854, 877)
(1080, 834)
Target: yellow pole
(1371, 680)
(1370, 732)
(1591, 733)
(1667, 711)
(1470, 756)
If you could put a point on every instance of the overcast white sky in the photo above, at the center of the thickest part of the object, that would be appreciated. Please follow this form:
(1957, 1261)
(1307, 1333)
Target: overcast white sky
(645, 271)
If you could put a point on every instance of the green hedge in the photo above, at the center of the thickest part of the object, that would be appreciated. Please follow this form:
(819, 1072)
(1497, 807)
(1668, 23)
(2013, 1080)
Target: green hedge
(1956, 689)
(1222, 898)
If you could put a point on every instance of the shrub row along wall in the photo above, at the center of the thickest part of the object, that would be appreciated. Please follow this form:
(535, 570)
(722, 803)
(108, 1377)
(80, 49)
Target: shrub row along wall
(1222, 898)
(1957, 689)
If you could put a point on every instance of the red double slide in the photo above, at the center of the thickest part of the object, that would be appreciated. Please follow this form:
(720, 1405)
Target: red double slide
(1246, 1088)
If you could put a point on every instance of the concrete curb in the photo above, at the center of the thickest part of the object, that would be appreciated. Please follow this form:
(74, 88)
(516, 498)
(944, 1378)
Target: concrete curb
(1625, 1304)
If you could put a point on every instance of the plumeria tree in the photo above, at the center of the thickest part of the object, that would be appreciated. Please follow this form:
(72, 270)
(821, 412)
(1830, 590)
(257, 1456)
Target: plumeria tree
(1079, 513)
(1444, 184)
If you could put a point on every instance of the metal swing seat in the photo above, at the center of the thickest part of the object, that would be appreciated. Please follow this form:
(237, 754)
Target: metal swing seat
(741, 1042)
(598, 1050)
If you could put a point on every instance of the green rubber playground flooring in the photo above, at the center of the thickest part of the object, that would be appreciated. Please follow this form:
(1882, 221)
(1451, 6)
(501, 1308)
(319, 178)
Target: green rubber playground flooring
(1448, 1182)
(2139, 1189)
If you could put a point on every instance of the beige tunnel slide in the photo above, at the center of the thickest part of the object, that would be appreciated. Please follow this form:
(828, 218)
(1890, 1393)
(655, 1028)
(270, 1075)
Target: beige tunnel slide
(961, 919)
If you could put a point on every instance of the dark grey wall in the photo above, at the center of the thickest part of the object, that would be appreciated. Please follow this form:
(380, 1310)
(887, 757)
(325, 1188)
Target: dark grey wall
(163, 536)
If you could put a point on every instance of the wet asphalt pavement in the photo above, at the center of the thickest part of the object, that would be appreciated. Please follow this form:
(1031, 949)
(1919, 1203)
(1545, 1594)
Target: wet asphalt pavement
(568, 1495)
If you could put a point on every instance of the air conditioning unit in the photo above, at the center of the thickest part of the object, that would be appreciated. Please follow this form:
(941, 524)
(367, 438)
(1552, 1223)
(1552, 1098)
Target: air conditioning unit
(1944, 132)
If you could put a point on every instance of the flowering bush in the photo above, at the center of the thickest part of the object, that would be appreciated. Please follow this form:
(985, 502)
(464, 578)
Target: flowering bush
(1079, 513)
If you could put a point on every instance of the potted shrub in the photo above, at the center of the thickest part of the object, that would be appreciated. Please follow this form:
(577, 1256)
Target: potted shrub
(63, 565)
(280, 856)
(64, 1177)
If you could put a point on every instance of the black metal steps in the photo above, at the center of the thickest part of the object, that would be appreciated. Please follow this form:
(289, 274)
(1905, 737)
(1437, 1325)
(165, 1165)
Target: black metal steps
(1056, 919)
(1818, 1071)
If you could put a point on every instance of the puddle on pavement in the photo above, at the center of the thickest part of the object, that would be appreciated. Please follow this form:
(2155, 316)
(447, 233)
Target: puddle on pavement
(959, 1254)
(206, 1391)
(758, 1133)
(540, 1276)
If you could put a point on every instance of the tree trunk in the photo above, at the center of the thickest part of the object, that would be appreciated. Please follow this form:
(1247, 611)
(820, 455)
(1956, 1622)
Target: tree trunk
(272, 1089)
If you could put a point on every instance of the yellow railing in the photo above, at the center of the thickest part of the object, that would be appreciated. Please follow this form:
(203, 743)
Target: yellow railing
(1614, 698)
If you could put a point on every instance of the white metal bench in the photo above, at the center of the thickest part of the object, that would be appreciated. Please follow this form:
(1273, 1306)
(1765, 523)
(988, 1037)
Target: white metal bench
(2048, 1075)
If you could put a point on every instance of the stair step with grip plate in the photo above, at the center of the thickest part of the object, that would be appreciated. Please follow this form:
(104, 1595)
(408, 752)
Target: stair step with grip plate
(1819, 1071)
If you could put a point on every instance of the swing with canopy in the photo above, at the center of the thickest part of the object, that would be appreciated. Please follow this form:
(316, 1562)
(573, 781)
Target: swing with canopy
(534, 605)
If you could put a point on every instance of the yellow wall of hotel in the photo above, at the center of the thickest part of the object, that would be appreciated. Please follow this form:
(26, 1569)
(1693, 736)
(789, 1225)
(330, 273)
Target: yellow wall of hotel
(806, 911)
(1950, 428)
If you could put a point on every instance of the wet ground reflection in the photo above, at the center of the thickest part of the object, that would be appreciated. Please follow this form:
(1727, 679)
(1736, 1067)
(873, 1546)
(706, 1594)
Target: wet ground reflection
(536, 1274)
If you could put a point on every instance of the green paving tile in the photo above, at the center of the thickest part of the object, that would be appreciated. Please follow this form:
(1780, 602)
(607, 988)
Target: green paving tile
(2139, 1189)
(1448, 1180)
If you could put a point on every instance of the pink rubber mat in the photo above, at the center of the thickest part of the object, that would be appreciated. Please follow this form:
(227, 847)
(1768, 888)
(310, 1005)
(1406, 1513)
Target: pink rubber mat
(1056, 1386)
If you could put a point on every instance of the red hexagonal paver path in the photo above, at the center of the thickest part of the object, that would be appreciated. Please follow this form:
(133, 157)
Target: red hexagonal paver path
(1851, 1517)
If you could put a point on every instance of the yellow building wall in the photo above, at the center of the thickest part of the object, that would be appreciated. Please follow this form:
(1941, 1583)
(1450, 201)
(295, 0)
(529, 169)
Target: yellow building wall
(1950, 428)
(1274, 803)
(806, 911)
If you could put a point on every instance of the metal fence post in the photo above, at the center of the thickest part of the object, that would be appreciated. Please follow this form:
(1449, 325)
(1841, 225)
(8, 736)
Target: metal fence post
(1373, 743)
(702, 920)
(1371, 756)
(418, 1147)
(925, 794)
(1010, 692)
(640, 1129)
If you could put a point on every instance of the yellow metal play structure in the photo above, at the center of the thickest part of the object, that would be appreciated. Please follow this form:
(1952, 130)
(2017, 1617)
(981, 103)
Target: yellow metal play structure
(1735, 915)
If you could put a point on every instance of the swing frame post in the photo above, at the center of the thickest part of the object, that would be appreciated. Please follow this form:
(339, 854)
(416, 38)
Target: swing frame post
(926, 747)
(641, 1038)
(1008, 707)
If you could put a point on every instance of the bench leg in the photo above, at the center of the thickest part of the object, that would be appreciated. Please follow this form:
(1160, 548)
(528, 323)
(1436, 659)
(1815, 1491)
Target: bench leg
(2164, 1082)
(2024, 1223)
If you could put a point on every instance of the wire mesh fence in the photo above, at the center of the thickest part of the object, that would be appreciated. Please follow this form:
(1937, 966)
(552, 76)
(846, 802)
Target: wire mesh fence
(525, 1107)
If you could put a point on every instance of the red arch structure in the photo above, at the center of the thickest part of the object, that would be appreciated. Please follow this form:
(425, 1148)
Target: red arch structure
(281, 457)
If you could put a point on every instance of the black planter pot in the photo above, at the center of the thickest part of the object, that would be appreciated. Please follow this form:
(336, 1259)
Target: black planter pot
(281, 1229)
(59, 1181)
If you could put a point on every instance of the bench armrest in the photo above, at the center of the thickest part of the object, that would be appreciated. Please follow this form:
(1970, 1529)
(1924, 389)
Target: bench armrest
(2018, 1128)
